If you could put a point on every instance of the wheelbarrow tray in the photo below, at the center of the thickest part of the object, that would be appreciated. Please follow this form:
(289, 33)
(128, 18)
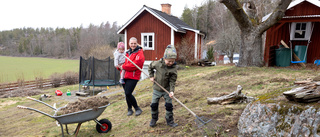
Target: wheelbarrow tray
(103, 126)
(80, 116)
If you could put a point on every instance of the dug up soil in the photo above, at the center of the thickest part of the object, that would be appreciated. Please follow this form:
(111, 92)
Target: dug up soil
(84, 104)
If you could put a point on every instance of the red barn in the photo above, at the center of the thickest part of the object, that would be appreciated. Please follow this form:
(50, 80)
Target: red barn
(156, 29)
(300, 25)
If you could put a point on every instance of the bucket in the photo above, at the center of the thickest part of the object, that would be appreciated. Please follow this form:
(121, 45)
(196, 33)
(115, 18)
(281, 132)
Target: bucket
(283, 57)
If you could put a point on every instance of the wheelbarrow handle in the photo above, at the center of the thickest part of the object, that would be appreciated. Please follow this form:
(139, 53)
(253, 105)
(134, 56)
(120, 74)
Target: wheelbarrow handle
(42, 103)
(23, 107)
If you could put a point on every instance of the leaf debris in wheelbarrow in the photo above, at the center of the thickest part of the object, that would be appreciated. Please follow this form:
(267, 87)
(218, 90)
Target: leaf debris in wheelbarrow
(84, 104)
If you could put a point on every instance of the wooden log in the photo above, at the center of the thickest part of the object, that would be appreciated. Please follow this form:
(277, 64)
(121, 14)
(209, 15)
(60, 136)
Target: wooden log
(234, 97)
(306, 94)
(294, 55)
(303, 82)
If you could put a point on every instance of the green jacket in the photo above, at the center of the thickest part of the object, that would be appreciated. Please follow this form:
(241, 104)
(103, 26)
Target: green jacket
(166, 76)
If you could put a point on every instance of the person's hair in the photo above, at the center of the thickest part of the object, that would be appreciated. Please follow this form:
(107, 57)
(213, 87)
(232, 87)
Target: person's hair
(133, 38)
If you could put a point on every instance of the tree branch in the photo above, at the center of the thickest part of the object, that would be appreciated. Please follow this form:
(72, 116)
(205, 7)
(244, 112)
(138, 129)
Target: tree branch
(236, 9)
(277, 15)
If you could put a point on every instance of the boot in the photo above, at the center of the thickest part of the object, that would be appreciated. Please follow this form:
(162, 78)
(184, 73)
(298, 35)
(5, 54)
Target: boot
(138, 111)
(130, 112)
(170, 122)
(154, 120)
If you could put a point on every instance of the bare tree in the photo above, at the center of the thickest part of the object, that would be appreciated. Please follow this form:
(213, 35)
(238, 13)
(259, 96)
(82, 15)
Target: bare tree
(251, 48)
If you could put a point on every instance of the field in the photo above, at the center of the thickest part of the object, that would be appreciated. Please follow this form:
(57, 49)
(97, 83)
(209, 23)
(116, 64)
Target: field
(193, 87)
(13, 68)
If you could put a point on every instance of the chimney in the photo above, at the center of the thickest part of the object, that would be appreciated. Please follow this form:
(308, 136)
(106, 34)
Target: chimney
(166, 8)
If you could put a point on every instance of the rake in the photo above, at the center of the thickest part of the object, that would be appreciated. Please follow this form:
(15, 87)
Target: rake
(199, 120)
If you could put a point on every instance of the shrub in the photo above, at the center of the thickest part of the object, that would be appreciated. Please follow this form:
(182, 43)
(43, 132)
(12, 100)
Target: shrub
(71, 77)
(55, 79)
(210, 53)
(39, 81)
(185, 51)
(20, 80)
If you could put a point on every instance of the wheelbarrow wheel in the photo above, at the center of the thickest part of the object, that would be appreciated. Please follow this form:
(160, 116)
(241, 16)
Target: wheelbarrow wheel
(106, 123)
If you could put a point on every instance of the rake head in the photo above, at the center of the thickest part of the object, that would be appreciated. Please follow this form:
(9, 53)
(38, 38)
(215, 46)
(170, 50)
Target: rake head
(208, 126)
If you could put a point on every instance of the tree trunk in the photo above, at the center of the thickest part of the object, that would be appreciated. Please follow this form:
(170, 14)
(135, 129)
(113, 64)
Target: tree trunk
(251, 49)
(251, 30)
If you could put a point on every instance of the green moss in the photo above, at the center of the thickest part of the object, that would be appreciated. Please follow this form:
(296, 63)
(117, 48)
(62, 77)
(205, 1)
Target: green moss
(265, 97)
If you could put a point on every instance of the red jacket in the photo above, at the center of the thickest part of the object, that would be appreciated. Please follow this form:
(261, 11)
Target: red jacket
(136, 56)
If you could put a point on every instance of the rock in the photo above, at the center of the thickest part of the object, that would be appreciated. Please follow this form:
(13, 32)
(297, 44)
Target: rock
(279, 120)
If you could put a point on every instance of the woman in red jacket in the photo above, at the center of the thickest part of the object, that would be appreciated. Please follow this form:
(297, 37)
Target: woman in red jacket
(132, 74)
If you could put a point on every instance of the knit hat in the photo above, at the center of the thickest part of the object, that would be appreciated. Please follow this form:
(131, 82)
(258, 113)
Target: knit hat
(170, 52)
(120, 45)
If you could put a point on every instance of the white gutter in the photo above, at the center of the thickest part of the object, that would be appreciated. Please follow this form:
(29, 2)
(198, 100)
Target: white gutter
(172, 37)
(125, 39)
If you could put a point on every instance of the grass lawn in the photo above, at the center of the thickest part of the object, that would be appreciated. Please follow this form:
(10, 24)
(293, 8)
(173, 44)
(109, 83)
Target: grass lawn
(13, 68)
(193, 86)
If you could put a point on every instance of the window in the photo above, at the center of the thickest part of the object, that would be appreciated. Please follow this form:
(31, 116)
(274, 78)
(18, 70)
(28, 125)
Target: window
(147, 41)
(300, 31)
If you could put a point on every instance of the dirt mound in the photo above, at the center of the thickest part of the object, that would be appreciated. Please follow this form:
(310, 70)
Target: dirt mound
(84, 104)
(20, 93)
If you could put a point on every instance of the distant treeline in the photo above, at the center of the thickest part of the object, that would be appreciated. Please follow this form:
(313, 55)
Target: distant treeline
(60, 42)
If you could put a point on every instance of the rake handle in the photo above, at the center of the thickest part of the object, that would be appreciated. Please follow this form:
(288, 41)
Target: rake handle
(162, 87)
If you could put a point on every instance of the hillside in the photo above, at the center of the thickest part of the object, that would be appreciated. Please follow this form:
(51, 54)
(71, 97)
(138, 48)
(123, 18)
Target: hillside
(193, 87)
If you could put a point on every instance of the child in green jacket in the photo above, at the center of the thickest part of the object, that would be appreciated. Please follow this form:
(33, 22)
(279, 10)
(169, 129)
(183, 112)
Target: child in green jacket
(166, 76)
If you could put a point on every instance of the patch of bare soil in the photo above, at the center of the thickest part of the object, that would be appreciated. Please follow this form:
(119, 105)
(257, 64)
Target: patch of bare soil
(226, 73)
(279, 80)
(10, 102)
(20, 93)
(84, 104)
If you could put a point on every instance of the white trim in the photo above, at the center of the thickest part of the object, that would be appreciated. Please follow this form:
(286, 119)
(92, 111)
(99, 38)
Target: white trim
(196, 45)
(194, 30)
(142, 40)
(125, 39)
(307, 31)
(154, 14)
(172, 37)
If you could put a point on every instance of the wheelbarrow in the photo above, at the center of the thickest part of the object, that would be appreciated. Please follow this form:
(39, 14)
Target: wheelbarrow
(103, 126)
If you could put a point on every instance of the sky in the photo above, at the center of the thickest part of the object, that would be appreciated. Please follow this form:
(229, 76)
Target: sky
(74, 13)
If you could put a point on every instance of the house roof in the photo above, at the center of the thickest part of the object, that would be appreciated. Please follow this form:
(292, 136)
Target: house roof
(296, 2)
(293, 4)
(172, 21)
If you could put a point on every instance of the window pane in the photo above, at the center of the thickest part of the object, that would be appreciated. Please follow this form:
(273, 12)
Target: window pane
(150, 44)
(150, 38)
(145, 44)
(145, 38)
(298, 26)
(303, 26)
(300, 34)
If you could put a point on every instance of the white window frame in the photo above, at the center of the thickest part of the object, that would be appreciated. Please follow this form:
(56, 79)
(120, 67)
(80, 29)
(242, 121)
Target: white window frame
(142, 41)
(307, 31)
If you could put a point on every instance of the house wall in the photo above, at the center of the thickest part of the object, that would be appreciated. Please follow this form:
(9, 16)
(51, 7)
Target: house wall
(274, 36)
(146, 23)
(280, 31)
(199, 46)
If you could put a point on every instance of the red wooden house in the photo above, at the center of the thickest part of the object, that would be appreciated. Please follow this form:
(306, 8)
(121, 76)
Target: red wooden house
(299, 26)
(156, 29)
